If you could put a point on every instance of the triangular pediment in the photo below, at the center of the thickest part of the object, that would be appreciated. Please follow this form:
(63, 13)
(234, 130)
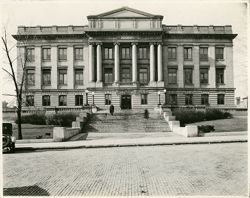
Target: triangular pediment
(124, 12)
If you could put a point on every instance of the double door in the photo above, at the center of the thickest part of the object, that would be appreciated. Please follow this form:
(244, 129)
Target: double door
(126, 102)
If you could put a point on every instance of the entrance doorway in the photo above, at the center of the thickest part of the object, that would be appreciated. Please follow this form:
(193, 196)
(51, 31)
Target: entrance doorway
(126, 102)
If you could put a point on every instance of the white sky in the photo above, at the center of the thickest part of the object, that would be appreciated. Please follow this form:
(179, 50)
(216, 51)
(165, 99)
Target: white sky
(32, 13)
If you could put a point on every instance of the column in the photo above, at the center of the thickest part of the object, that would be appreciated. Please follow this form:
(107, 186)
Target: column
(99, 62)
(134, 62)
(180, 60)
(152, 62)
(54, 74)
(91, 63)
(196, 72)
(117, 63)
(70, 55)
(159, 61)
(211, 73)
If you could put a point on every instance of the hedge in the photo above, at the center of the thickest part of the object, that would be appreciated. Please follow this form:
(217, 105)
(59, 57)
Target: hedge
(186, 116)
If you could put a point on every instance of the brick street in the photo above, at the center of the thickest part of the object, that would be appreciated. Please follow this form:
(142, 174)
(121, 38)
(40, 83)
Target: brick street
(204, 169)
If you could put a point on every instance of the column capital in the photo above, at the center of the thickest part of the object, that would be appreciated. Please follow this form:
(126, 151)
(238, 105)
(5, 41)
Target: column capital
(159, 43)
(91, 43)
(116, 43)
(152, 43)
(98, 43)
(134, 43)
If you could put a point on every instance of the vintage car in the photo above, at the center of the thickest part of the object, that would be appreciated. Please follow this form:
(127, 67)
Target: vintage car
(8, 140)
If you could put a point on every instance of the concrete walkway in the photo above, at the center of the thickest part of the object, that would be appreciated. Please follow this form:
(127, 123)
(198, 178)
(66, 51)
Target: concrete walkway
(100, 140)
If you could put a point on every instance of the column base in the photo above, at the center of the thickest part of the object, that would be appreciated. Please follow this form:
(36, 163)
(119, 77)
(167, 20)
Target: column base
(152, 84)
(91, 84)
(99, 84)
(116, 84)
(160, 84)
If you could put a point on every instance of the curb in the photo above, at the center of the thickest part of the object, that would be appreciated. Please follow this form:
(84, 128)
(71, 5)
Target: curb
(127, 145)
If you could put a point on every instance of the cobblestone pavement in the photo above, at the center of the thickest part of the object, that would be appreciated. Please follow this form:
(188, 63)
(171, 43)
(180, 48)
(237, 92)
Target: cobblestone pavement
(207, 169)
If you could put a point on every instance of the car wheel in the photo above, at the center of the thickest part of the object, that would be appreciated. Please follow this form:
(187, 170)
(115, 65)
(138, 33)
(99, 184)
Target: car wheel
(6, 140)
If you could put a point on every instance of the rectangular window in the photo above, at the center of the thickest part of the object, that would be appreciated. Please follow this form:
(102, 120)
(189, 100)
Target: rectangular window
(30, 54)
(30, 77)
(125, 53)
(188, 76)
(203, 53)
(126, 75)
(172, 53)
(78, 100)
(220, 99)
(30, 100)
(187, 53)
(143, 75)
(62, 100)
(78, 53)
(203, 76)
(62, 76)
(219, 76)
(108, 99)
(144, 99)
(78, 76)
(188, 99)
(108, 53)
(142, 53)
(173, 99)
(172, 76)
(204, 99)
(46, 54)
(46, 100)
(46, 77)
(62, 54)
(219, 53)
(108, 75)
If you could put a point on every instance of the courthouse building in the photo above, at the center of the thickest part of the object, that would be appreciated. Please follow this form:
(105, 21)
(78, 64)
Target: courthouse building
(127, 58)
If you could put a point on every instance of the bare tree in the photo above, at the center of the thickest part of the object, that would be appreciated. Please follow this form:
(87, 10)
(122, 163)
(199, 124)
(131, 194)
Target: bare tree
(18, 83)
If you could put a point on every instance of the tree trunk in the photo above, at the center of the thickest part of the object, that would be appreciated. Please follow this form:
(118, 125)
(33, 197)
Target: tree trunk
(19, 124)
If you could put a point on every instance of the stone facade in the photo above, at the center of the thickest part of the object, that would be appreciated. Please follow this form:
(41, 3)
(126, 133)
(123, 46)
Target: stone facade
(130, 59)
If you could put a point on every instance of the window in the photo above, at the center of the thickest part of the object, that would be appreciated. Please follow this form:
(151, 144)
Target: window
(78, 100)
(203, 53)
(108, 53)
(187, 53)
(126, 75)
(144, 99)
(46, 77)
(46, 100)
(173, 99)
(78, 53)
(143, 75)
(188, 76)
(220, 76)
(108, 75)
(62, 54)
(219, 53)
(30, 54)
(172, 76)
(30, 78)
(188, 99)
(172, 53)
(46, 54)
(108, 99)
(126, 53)
(30, 100)
(203, 76)
(204, 99)
(220, 99)
(79, 77)
(142, 53)
(62, 76)
(62, 100)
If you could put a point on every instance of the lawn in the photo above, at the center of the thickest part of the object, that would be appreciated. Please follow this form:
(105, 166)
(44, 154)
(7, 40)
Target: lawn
(30, 131)
(237, 123)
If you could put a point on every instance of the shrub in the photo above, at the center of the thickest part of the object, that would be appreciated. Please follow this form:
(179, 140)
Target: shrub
(37, 119)
(186, 116)
(64, 120)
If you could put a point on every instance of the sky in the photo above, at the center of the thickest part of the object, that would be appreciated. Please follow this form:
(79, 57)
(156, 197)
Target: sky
(56, 12)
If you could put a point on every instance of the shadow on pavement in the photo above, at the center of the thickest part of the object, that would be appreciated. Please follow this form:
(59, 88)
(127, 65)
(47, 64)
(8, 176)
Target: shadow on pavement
(25, 191)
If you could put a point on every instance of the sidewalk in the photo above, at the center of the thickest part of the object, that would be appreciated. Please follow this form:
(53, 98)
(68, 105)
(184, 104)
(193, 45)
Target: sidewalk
(102, 140)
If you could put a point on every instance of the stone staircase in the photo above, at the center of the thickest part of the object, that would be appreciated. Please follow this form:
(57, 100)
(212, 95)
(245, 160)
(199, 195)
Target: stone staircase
(126, 121)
